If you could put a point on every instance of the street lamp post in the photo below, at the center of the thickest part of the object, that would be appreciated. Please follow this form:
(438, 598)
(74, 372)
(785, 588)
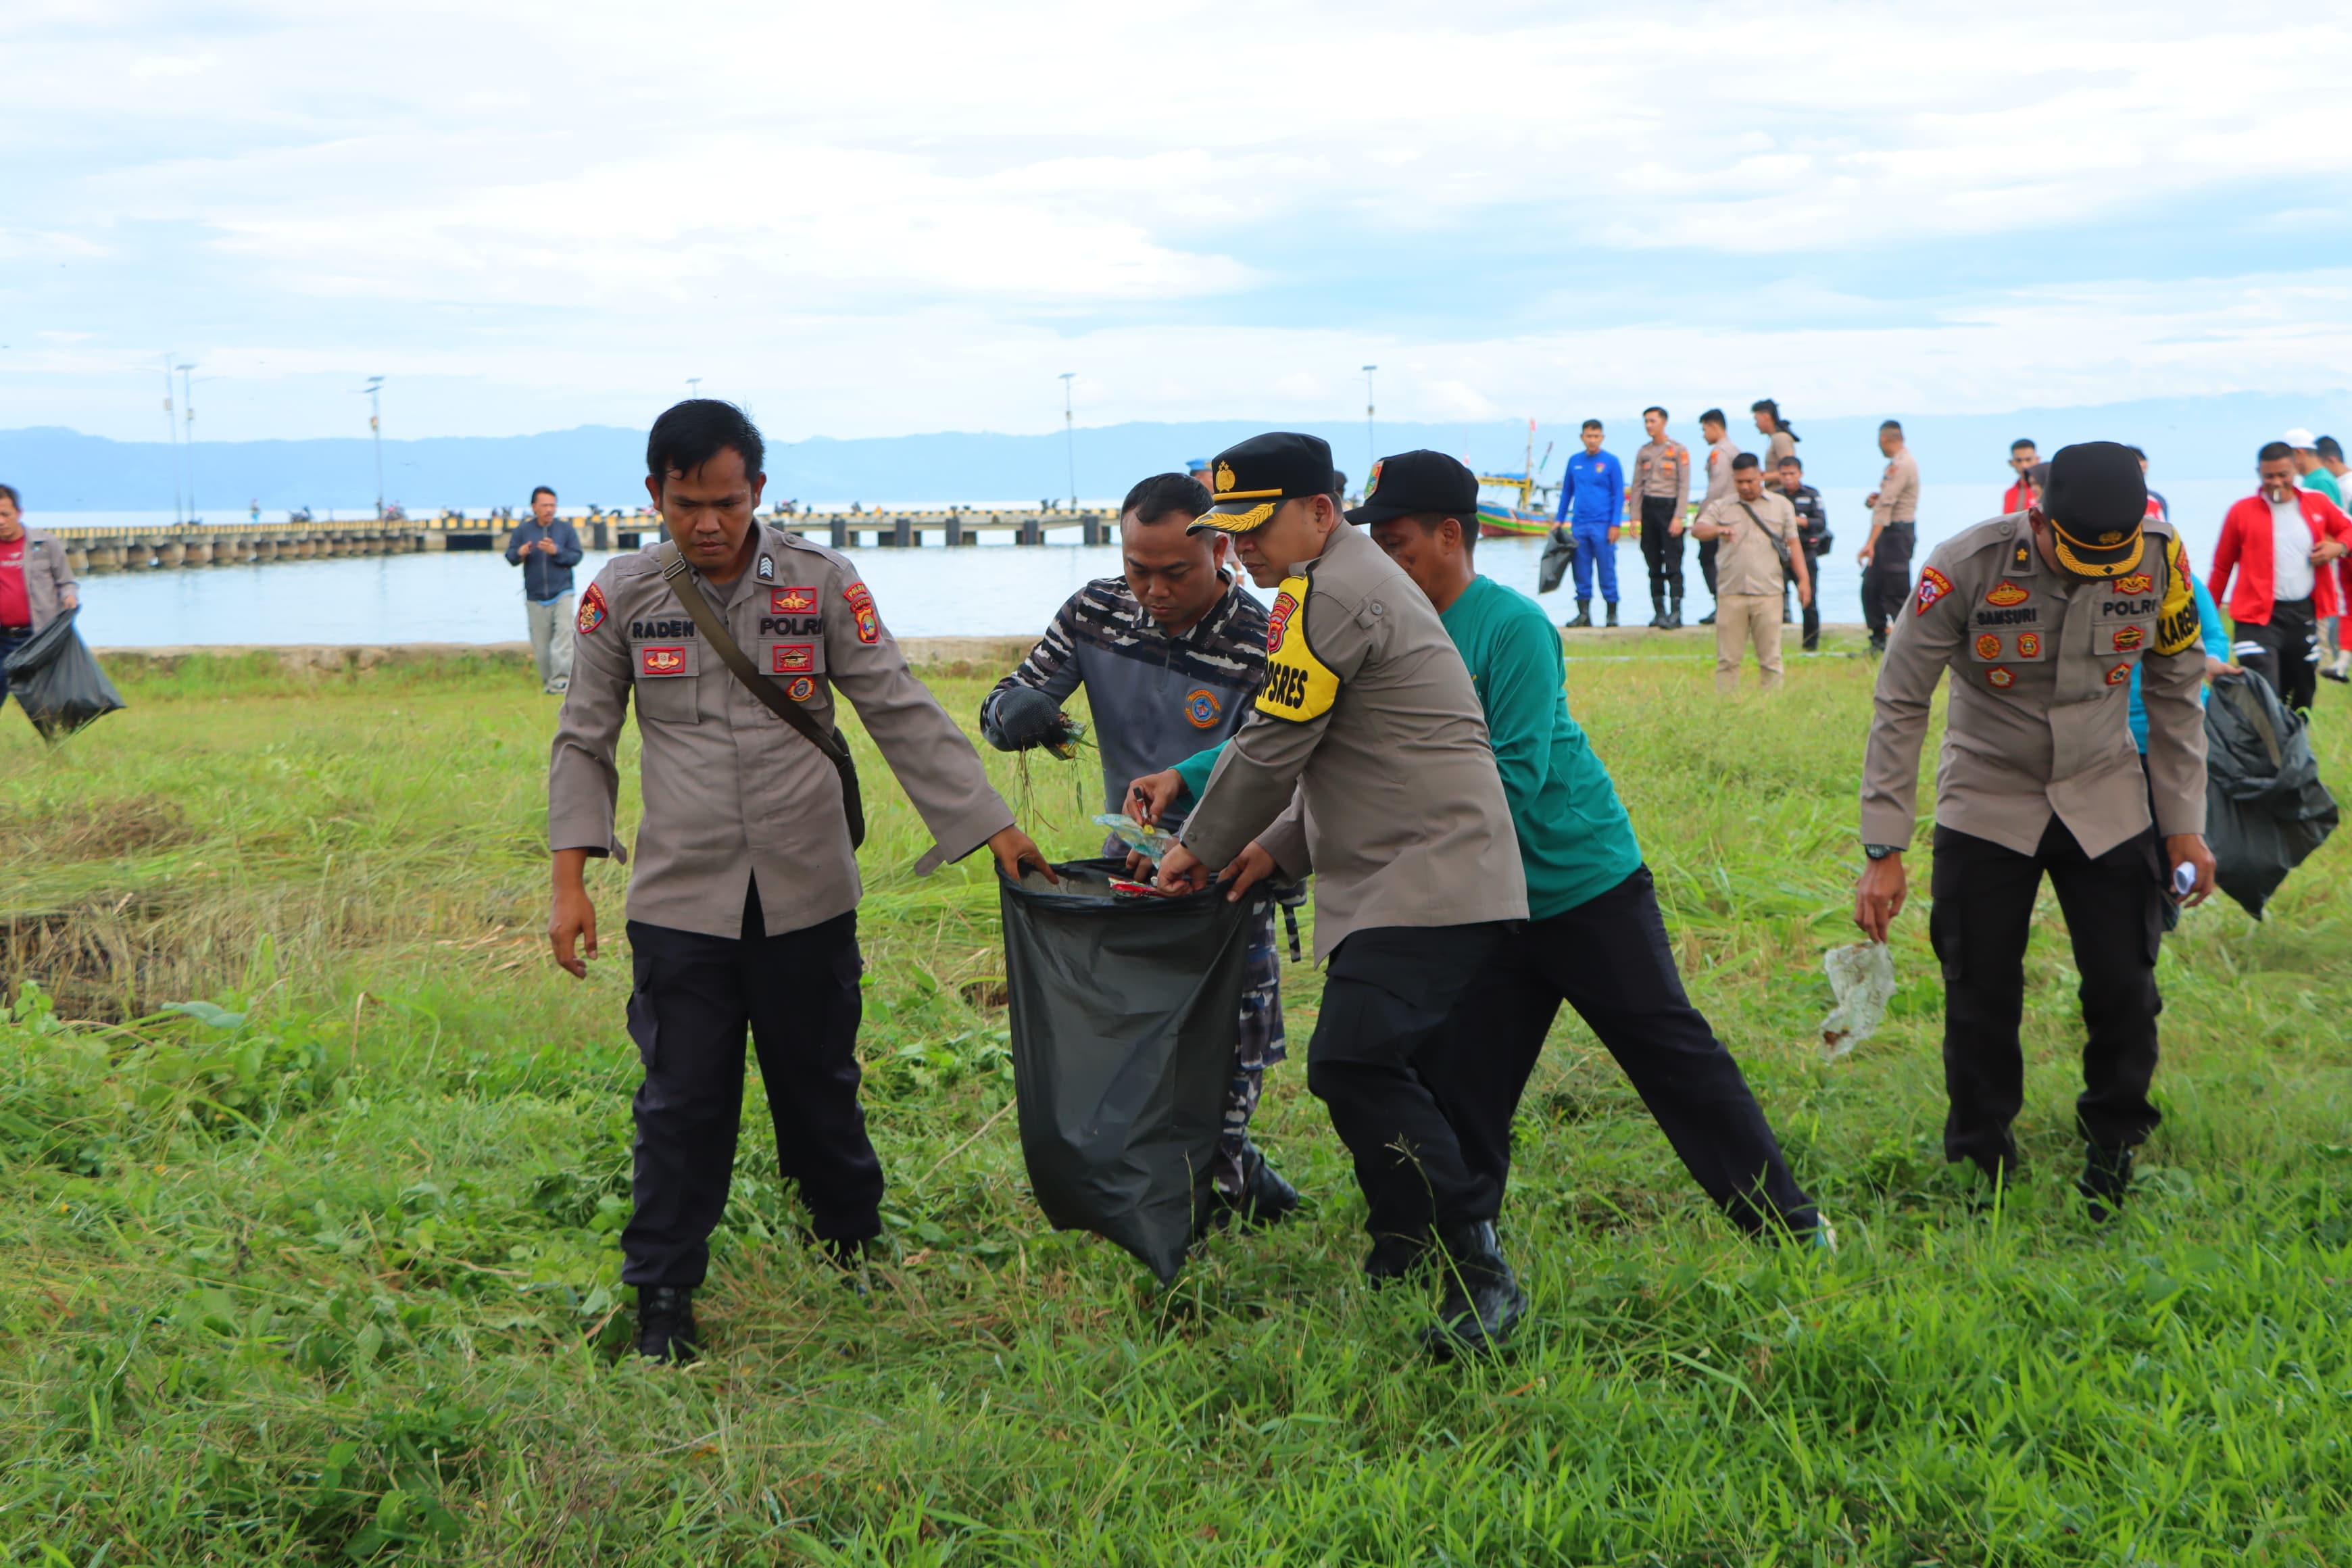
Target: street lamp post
(374, 390)
(1070, 430)
(171, 435)
(1371, 446)
(188, 444)
(694, 386)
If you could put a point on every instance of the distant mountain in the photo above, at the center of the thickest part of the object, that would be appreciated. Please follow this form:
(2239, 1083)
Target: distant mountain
(63, 470)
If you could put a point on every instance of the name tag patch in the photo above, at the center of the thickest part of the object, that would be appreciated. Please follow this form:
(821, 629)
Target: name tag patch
(660, 631)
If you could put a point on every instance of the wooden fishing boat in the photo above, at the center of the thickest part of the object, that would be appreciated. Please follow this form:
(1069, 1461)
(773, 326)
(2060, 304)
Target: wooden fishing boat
(1527, 513)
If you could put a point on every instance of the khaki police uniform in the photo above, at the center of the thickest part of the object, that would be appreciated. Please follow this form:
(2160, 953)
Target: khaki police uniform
(2038, 774)
(1660, 485)
(1719, 455)
(1896, 519)
(1747, 581)
(1368, 716)
(744, 888)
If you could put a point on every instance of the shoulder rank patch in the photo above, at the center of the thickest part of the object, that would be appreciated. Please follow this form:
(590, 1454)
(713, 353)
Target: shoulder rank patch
(1298, 686)
(767, 569)
(2000, 677)
(2177, 621)
(2024, 554)
(861, 610)
(592, 613)
(1933, 587)
(2005, 594)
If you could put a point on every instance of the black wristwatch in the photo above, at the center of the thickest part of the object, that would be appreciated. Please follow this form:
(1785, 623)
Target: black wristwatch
(1880, 851)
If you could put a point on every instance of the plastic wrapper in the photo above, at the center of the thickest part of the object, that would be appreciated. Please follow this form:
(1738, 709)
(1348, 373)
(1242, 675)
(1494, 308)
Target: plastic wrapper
(58, 681)
(1123, 1016)
(1153, 842)
(1862, 978)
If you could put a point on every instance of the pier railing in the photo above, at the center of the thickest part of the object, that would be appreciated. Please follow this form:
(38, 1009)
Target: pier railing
(132, 547)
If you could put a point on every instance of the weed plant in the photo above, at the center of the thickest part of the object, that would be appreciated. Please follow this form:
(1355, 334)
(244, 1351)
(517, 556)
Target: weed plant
(311, 1168)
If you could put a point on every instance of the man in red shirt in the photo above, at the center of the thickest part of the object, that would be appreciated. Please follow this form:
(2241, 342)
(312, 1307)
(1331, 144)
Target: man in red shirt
(35, 581)
(2278, 543)
(2022, 455)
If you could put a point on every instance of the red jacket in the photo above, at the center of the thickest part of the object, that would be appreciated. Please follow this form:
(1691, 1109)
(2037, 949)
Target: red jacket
(2246, 542)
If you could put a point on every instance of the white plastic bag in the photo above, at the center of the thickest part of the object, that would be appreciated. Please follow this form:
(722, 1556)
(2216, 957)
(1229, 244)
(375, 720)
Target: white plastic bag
(1863, 979)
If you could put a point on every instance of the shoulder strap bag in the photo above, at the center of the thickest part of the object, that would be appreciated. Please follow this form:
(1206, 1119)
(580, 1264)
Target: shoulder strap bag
(1780, 545)
(714, 632)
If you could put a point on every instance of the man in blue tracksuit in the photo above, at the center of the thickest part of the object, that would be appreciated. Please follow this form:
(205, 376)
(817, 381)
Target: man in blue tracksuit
(1591, 498)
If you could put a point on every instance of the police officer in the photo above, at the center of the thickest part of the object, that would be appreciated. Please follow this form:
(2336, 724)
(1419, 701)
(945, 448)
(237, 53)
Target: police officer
(1170, 653)
(1813, 533)
(2041, 618)
(1369, 715)
(742, 902)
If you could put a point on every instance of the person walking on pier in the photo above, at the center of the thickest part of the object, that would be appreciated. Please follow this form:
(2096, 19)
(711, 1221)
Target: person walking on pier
(36, 581)
(547, 550)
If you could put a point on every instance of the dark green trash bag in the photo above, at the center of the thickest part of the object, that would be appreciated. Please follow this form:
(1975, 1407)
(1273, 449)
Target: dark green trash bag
(57, 678)
(1123, 1013)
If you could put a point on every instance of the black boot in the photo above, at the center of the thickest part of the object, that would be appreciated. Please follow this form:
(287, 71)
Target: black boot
(853, 1255)
(1583, 615)
(1708, 619)
(1657, 611)
(1395, 1258)
(1673, 620)
(1612, 612)
(1267, 1199)
(665, 1330)
(2106, 1177)
(1483, 1302)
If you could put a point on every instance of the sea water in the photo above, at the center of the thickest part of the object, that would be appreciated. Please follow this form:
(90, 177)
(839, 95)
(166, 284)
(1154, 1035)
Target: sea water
(995, 588)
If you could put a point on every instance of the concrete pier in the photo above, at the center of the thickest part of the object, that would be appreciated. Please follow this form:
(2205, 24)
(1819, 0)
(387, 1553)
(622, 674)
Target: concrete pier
(95, 550)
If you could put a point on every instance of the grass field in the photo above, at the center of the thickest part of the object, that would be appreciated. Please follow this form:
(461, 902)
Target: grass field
(323, 1268)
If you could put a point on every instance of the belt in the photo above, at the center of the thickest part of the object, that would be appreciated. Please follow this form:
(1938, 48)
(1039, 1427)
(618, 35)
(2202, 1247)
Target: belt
(15, 631)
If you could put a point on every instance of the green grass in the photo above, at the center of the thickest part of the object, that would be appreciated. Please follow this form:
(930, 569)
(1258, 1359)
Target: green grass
(330, 1275)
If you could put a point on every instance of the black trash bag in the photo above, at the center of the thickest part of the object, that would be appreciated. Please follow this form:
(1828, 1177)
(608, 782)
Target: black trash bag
(2266, 809)
(1123, 1012)
(57, 680)
(1558, 554)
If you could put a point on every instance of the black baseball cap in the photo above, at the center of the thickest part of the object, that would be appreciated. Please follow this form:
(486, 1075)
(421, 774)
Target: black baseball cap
(1412, 482)
(2096, 500)
(1249, 479)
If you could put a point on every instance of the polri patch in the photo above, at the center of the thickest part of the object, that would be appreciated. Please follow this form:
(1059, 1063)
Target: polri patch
(592, 613)
(861, 610)
(792, 601)
(1934, 587)
(2000, 677)
(801, 690)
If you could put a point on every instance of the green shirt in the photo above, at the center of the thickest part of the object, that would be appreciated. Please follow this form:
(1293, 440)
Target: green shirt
(1575, 839)
(2323, 481)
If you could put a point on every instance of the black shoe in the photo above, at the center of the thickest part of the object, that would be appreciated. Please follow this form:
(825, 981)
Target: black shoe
(665, 1330)
(1658, 619)
(1612, 612)
(2106, 1177)
(1583, 615)
(1483, 1302)
(1266, 1198)
(2330, 672)
(1878, 642)
(1708, 619)
(1396, 1258)
(1673, 621)
(853, 1255)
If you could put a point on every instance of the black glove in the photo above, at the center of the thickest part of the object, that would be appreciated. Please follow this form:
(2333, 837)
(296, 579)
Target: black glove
(1022, 718)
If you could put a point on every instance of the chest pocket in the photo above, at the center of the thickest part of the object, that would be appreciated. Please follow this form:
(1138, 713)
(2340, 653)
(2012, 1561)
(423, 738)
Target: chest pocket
(666, 674)
(783, 659)
(2024, 645)
(1298, 686)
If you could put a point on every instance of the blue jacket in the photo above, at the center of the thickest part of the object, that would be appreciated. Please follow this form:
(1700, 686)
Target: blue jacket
(545, 577)
(2217, 643)
(1593, 492)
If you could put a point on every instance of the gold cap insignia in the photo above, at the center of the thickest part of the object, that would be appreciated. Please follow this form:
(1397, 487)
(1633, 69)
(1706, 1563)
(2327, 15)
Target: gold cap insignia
(2113, 536)
(1224, 477)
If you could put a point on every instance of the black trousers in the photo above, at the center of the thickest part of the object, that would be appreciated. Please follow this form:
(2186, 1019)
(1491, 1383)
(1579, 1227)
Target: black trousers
(2290, 656)
(1661, 550)
(1609, 959)
(1886, 581)
(1812, 609)
(1984, 910)
(694, 995)
(1706, 563)
(1389, 998)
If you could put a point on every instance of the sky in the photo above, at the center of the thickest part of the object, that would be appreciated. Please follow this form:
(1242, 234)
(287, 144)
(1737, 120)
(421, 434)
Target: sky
(885, 218)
